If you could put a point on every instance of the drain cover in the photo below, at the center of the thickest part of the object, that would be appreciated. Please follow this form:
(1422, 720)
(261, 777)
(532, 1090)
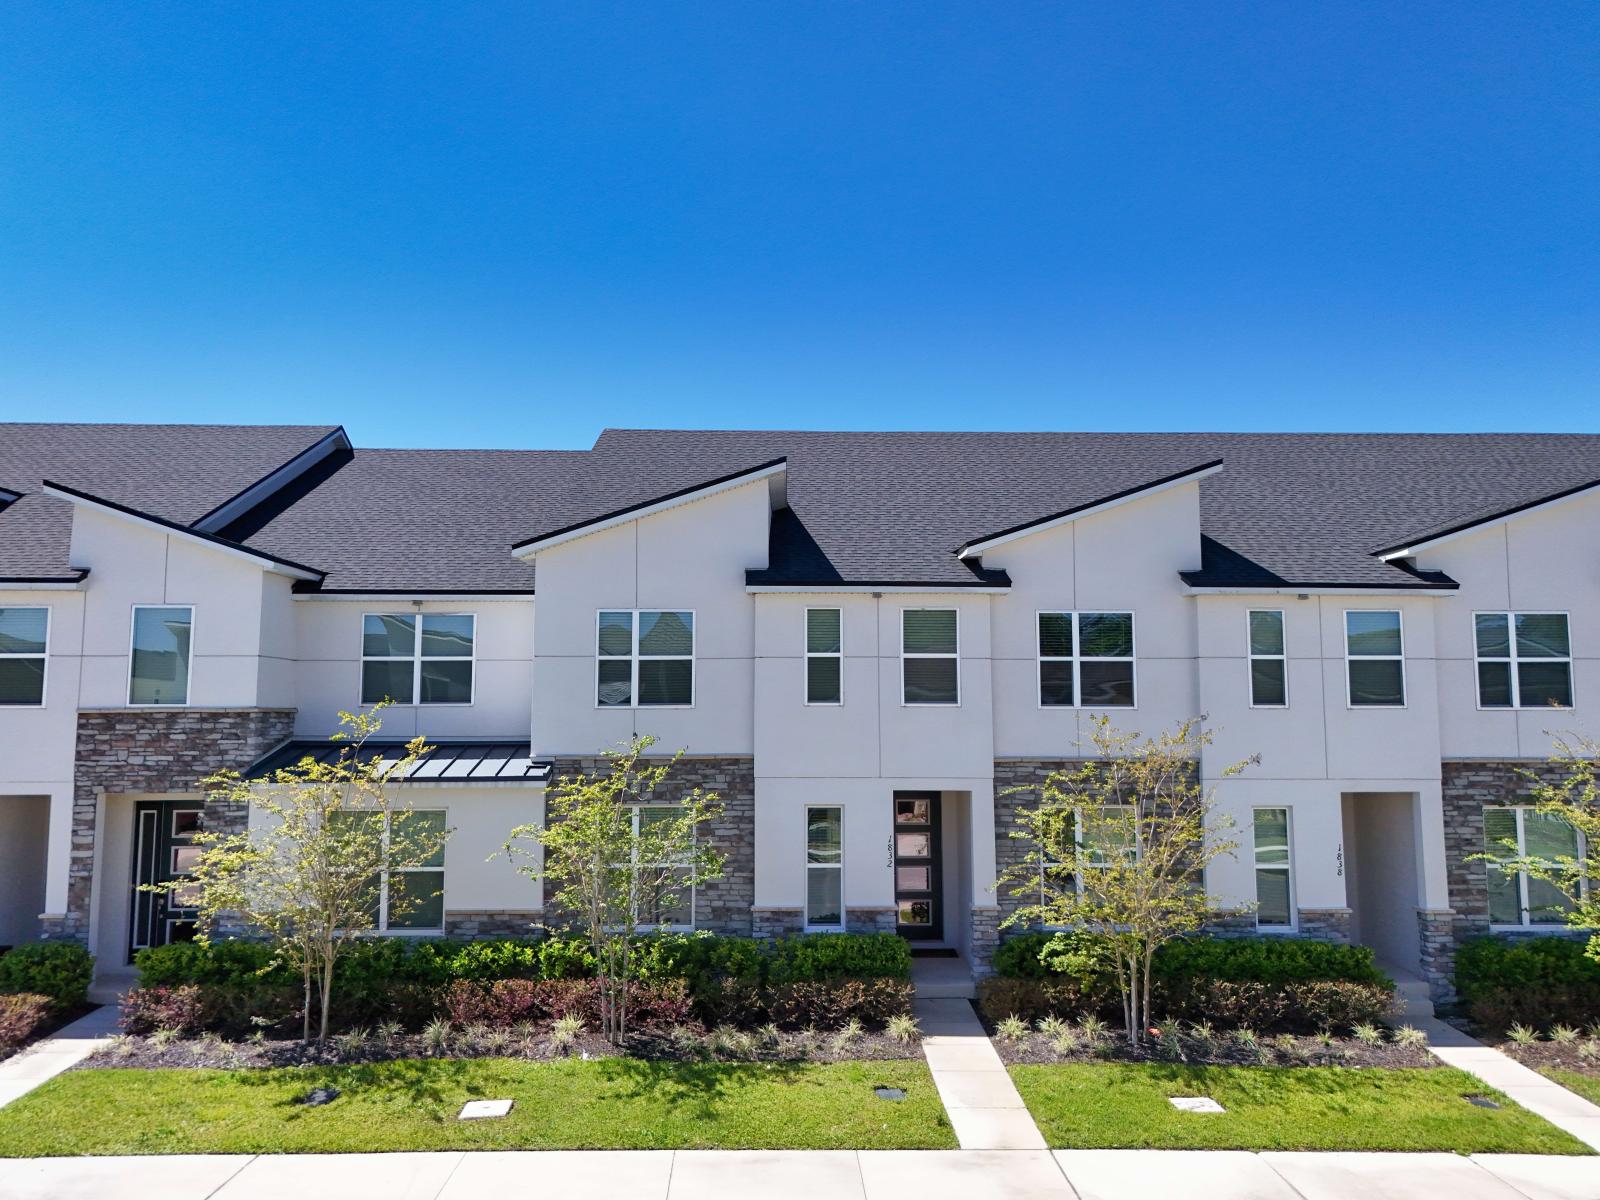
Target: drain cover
(319, 1096)
(889, 1093)
(1481, 1101)
(477, 1110)
(1201, 1104)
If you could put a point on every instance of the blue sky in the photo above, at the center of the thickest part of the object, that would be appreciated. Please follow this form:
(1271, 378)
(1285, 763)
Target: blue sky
(513, 224)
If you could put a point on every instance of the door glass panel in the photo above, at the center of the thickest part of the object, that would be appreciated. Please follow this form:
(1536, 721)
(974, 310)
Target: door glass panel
(913, 845)
(911, 812)
(184, 859)
(185, 821)
(912, 879)
(916, 912)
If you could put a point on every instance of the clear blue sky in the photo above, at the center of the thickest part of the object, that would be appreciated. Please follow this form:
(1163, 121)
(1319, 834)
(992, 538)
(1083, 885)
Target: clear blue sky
(512, 224)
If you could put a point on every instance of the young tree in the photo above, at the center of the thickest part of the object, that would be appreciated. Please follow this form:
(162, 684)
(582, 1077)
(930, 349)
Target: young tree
(617, 857)
(325, 847)
(1118, 846)
(1564, 852)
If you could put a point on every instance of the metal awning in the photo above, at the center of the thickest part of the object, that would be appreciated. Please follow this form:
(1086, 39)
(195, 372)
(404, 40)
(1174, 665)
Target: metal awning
(445, 761)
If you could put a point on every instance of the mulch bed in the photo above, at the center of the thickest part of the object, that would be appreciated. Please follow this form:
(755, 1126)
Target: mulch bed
(529, 1043)
(1555, 1055)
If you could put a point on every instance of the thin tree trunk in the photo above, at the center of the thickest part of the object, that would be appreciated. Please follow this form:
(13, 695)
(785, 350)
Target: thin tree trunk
(305, 1009)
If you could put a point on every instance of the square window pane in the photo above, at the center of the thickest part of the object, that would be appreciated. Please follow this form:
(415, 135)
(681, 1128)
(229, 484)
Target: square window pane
(913, 845)
(913, 879)
(1372, 632)
(1106, 684)
(1491, 633)
(410, 831)
(666, 633)
(1055, 635)
(1542, 635)
(1548, 838)
(186, 895)
(387, 679)
(1272, 897)
(160, 670)
(930, 681)
(445, 636)
(388, 635)
(1105, 635)
(185, 822)
(1267, 685)
(822, 680)
(446, 682)
(1266, 632)
(928, 630)
(22, 630)
(615, 635)
(184, 859)
(915, 912)
(1376, 681)
(1505, 906)
(1541, 684)
(824, 833)
(911, 812)
(825, 897)
(822, 630)
(666, 681)
(1494, 684)
(21, 680)
(422, 894)
(615, 681)
(1055, 684)
(1272, 835)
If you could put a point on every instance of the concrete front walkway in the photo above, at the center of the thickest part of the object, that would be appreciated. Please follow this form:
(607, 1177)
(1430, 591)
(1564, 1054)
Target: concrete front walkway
(807, 1175)
(46, 1059)
(984, 1107)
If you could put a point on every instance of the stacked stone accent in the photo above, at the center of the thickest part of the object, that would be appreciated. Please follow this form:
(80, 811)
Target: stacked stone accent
(871, 920)
(1231, 924)
(773, 923)
(1324, 924)
(983, 938)
(722, 905)
(126, 750)
(1436, 937)
(504, 924)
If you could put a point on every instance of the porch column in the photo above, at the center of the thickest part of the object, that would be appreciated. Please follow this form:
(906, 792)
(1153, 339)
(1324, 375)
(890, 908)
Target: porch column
(1435, 919)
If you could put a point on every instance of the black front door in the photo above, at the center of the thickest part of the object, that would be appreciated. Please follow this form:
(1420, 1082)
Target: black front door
(163, 849)
(917, 866)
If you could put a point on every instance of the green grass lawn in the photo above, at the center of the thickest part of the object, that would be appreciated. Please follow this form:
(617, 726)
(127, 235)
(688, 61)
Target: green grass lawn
(1587, 1086)
(1107, 1106)
(412, 1105)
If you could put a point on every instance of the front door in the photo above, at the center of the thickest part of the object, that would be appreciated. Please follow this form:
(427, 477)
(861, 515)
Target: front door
(917, 866)
(163, 850)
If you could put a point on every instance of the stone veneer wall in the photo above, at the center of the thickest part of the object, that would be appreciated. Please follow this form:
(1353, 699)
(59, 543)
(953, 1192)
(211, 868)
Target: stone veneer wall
(723, 905)
(157, 751)
(501, 924)
(788, 922)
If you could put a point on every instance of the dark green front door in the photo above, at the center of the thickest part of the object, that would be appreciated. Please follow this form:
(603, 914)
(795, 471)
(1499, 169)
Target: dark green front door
(163, 850)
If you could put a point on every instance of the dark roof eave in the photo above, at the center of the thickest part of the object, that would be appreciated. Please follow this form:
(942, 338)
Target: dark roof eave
(77, 575)
(999, 580)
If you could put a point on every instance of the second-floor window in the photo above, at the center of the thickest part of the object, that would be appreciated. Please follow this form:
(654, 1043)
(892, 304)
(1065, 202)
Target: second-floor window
(158, 664)
(1375, 658)
(1524, 660)
(1517, 898)
(644, 658)
(24, 643)
(417, 658)
(930, 667)
(1269, 677)
(1086, 660)
(824, 657)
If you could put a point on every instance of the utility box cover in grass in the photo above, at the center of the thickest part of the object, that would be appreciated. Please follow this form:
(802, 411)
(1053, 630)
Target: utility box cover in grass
(1200, 1104)
(477, 1110)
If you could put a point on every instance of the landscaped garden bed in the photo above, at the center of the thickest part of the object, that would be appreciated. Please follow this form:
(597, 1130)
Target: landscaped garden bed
(43, 986)
(611, 1103)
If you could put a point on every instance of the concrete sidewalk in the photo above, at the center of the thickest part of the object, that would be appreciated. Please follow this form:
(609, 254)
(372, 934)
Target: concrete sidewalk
(46, 1059)
(807, 1175)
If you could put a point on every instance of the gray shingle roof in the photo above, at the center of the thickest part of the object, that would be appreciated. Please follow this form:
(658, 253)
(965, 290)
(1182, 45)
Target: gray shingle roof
(865, 508)
(176, 472)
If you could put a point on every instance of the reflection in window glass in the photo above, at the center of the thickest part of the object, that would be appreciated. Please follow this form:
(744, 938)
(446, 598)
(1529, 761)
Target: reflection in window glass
(159, 670)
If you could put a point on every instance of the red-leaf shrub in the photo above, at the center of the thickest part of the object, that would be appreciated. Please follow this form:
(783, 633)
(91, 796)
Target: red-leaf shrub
(828, 1004)
(20, 1015)
(144, 1010)
(511, 1001)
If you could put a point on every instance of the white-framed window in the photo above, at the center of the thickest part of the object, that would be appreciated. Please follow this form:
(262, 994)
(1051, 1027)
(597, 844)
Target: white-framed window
(24, 651)
(418, 658)
(1269, 664)
(1524, 660)
(664, 891)
(421, 885)
(1086, 660)
(644, 658)
(1517, 900)
(159, 658)
(1089, 855)
(824, 656)
(1274, 871)
(930, 656)
(1375, 664)
(824, 866)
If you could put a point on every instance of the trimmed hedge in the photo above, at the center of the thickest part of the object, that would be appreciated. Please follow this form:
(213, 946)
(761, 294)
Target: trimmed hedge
(1267, 984)
(20, 1016)
(60, 971)
(1540, 982)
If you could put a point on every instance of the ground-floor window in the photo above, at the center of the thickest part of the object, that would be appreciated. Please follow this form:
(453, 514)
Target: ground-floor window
(824, 867)
(1515, 897)
(1274, 883)
(663, 891)
(409, 899)
(1094, 842)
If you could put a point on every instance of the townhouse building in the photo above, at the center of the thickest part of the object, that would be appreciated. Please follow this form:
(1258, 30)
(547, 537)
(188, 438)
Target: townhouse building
(863, 642)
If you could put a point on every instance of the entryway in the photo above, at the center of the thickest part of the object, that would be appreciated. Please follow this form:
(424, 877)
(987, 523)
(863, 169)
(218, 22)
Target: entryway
(163, 851)
(1381, 874)
(918, 867)
(24, 850)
